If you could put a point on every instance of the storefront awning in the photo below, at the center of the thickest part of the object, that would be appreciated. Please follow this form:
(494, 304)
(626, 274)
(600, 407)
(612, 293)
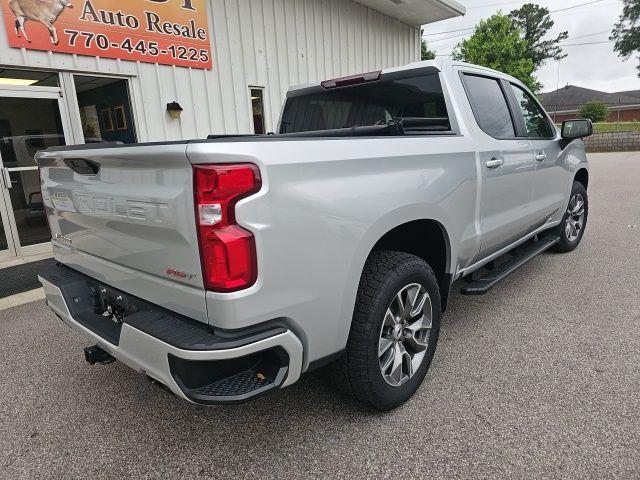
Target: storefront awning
(417, 12)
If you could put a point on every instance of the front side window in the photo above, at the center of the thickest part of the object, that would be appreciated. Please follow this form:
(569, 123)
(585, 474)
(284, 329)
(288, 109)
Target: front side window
(375, 103)
(535, 121)
(489, 106)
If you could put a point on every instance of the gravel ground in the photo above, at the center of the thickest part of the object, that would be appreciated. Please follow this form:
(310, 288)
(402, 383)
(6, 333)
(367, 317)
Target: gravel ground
(539, 378)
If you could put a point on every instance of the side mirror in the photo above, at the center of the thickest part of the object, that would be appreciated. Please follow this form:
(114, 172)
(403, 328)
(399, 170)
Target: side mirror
(572, 129)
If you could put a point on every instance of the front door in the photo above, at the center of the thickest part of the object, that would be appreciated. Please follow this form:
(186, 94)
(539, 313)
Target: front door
(30, 120)
(507, 164)
(551, 178)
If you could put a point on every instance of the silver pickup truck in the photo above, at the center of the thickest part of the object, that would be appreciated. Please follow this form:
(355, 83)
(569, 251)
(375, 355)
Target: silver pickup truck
(225, 268)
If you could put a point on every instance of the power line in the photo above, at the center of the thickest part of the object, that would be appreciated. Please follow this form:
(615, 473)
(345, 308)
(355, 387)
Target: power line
(505, 3)
(572, 38)
(584, 43)
(447, 38)
(575, 6)
(460, 35)
(590, 34)
(450, 31)
(560, 44)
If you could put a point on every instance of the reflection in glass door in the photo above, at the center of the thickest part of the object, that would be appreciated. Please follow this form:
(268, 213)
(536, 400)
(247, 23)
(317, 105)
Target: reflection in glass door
(27, 125)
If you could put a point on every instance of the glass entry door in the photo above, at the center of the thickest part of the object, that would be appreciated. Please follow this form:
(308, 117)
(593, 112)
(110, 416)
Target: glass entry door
(30, 120)
(7, 248)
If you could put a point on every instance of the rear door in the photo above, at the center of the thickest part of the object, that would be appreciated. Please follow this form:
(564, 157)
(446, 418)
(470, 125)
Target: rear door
(507, 164)
(125, 216)
(551, 179)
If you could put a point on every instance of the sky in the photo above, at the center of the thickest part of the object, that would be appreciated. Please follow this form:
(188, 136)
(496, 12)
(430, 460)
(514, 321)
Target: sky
(594, 66)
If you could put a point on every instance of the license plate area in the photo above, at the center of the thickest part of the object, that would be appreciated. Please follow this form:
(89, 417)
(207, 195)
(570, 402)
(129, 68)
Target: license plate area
(112, 303)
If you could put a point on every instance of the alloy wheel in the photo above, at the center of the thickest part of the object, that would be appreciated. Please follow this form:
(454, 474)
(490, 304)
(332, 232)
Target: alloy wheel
(404, 335)
(575, 217)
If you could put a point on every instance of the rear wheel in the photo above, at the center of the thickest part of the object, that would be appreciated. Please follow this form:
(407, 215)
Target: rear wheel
(574, 222)
(394, 331)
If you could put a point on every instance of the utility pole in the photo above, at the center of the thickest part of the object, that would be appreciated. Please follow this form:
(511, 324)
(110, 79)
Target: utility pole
(555, 110)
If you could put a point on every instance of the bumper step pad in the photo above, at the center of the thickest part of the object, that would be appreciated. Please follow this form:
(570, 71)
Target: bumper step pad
(229, 381)
(240, 384)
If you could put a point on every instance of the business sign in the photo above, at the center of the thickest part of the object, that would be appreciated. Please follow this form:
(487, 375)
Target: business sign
(171, 32)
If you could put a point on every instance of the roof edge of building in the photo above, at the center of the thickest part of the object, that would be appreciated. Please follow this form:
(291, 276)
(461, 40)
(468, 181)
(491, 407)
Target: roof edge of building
(419, 14)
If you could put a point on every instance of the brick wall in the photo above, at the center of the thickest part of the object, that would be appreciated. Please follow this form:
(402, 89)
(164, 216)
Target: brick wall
(613, 142)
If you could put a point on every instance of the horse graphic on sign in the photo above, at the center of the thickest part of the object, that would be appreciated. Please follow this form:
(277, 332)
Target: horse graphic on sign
(43, 11)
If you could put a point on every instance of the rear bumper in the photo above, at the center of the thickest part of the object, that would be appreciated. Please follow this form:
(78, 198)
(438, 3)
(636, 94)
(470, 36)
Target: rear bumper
(194, 362)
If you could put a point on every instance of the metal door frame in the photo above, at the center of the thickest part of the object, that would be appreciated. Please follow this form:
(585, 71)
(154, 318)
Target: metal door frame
(6, 208)
(10, 252)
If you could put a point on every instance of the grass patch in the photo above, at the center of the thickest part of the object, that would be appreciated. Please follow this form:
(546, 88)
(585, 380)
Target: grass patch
(619, 127)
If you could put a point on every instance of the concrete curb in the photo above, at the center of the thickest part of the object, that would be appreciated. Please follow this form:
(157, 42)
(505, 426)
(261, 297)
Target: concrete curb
(21, 298)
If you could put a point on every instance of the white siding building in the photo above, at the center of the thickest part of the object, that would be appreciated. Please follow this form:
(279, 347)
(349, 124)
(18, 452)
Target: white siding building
(258, 48)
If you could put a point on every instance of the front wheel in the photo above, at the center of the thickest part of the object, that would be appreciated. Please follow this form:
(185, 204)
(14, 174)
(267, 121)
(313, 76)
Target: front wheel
(574, 222)
(394, 331)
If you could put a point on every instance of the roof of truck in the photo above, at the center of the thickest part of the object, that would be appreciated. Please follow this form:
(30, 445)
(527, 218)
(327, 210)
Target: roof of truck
(441, 63)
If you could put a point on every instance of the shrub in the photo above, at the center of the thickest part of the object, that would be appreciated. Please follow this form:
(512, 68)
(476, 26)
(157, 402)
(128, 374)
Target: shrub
(596, 111)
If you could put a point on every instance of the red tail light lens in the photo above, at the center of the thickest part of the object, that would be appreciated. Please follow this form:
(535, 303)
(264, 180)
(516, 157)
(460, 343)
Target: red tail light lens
(227, 251)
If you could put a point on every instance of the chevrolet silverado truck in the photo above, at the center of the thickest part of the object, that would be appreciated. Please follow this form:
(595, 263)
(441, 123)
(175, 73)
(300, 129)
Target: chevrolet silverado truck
(226, 268)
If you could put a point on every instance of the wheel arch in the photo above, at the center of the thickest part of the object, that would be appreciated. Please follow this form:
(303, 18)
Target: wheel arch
(582, 176)
(424, 238)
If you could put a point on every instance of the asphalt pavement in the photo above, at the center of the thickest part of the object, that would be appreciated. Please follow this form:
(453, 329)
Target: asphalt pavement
(540, 378)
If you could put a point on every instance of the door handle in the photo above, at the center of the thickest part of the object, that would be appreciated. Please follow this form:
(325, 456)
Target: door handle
(494, 163)
(541, 156)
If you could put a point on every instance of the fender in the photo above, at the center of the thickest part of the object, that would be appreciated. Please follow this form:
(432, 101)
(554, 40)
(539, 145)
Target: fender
(385, 224)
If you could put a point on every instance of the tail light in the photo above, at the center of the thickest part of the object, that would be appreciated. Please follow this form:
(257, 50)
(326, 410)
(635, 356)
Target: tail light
(227, 251)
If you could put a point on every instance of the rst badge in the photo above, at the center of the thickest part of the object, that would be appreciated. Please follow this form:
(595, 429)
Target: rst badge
(172, 272)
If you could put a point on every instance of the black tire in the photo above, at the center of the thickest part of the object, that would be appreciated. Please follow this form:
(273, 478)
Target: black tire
(567, 244)
(358, 372)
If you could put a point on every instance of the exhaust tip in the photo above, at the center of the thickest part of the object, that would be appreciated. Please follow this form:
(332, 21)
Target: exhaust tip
(95, 355)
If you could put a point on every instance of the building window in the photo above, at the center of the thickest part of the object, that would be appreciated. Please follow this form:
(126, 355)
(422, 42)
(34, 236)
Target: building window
(105, 109)
(27, 78)
(257, 107)
(87, 127)
(121, 117)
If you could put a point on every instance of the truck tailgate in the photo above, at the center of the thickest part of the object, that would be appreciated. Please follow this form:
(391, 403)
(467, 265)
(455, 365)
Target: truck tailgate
(125, 216)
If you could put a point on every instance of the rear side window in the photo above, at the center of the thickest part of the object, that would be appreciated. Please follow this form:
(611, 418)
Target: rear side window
(489, 106)
(535, 121)
(375, 103)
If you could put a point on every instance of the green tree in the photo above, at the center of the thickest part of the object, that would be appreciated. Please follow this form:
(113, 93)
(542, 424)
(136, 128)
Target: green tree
(626, 33)
(426, 54)
(596, 111)
(496, 43)
(535, 22)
